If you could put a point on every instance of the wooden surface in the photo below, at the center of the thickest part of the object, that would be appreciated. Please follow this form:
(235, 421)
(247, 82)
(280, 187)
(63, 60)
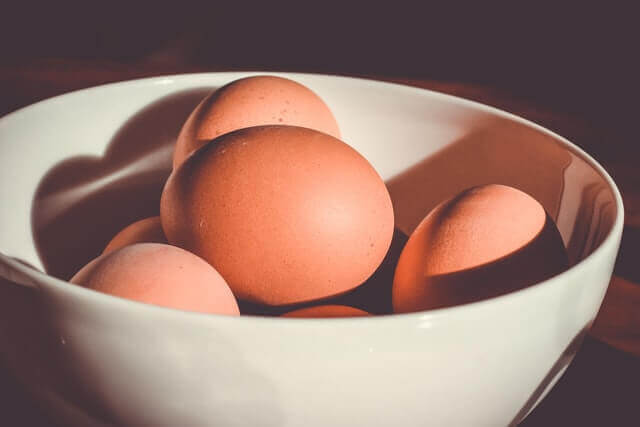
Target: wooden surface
(602, 384)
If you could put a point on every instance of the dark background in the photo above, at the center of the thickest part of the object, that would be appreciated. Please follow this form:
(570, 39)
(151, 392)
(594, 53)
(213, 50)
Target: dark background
(576, 57)
(575, 60)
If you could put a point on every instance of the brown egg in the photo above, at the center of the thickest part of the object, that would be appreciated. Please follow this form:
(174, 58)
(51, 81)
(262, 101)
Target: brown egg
(327, 311)
(374, 295)
(159, 274)
(286, 214)
(148, 230)
(484, 242)
(253, 101)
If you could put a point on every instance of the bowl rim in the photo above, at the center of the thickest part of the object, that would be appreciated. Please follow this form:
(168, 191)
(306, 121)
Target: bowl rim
(40, 279)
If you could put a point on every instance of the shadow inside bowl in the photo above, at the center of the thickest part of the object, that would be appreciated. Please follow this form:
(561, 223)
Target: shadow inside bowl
(501, 151)
(82, 202)
(536, 260)
(372, 296)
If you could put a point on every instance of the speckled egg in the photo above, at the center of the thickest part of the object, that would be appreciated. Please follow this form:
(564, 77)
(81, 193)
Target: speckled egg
(484, 242)
(286, 214)
(253, 101)
(321, 311)
(148, 230)
(159, 274)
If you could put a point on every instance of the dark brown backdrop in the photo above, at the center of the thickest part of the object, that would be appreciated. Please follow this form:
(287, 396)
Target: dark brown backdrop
(579, 58)
(571, 67)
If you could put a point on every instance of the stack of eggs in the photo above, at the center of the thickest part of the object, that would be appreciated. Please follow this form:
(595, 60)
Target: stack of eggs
(268, 210)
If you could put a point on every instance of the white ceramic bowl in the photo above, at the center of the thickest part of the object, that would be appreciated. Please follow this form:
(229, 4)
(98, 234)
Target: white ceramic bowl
(73, 166)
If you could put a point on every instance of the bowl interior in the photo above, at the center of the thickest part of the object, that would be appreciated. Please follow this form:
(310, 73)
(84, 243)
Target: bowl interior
(77, 168)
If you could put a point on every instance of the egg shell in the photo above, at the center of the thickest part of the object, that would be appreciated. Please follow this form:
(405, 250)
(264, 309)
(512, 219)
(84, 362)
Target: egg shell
(484, 242)
(374, 295)
(286, 214)
(327, 311)
(148, 230)
(159, 274)
(253, 101)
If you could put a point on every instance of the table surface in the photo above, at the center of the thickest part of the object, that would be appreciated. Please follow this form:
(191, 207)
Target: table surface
(599, 387)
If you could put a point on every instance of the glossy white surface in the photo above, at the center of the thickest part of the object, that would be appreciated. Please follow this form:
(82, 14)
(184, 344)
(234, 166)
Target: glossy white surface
(95, 358)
